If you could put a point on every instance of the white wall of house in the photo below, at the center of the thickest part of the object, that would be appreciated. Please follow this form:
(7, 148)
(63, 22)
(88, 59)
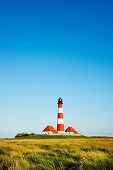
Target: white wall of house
(69, 133)
(47, 132)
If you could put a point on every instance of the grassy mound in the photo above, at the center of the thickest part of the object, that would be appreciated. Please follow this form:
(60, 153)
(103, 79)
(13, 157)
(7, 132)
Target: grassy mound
(79, 153)
(52, 137)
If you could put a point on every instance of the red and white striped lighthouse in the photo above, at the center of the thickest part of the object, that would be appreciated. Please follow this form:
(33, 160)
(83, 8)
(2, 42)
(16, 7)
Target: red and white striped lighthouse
(60, 122)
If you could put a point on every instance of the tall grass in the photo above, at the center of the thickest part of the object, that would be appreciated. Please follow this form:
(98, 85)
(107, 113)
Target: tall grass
(83, 153)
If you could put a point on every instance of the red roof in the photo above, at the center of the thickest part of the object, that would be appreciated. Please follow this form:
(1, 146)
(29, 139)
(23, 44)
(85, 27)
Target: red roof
(70, 129)
(49, 128)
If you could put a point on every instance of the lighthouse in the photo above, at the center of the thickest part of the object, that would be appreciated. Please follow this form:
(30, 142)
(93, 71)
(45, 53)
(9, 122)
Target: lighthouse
(49, 130)
(60, 121)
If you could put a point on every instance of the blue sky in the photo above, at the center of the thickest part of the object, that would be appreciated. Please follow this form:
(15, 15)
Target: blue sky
(51, 49)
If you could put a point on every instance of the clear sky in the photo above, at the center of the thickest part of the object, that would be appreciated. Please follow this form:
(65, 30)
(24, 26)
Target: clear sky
(51, 49)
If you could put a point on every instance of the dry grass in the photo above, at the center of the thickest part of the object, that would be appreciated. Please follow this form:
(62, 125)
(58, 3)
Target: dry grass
(87, 153)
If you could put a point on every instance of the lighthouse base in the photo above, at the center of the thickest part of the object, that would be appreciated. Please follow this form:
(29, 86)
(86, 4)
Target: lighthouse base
(61, 132)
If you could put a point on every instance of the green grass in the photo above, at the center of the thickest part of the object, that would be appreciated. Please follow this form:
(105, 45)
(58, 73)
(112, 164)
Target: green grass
(77, 153)
(52, 137)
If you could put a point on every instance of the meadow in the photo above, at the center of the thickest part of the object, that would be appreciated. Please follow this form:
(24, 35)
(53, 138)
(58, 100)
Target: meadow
(48, 154)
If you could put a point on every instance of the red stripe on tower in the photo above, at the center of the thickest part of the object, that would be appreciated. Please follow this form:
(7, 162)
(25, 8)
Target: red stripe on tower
(60, 122)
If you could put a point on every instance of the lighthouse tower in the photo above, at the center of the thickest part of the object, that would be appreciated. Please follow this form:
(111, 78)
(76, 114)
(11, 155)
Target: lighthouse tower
(60, 122)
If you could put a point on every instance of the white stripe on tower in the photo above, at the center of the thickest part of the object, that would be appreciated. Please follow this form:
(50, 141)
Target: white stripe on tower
(60, 122)
(60, 110)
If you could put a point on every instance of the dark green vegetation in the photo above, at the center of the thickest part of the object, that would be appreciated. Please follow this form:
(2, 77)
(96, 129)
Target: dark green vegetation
(52, 137)
(78, 153)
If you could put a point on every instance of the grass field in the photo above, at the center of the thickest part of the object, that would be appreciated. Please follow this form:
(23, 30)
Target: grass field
(53, 137)
(78, 153)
